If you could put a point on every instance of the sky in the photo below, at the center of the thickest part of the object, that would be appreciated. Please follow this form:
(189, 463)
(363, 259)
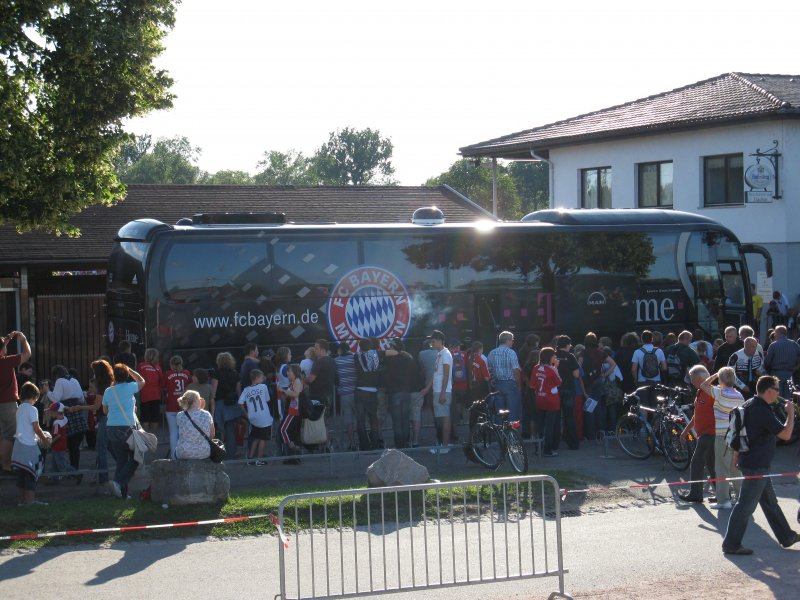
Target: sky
(433, 76)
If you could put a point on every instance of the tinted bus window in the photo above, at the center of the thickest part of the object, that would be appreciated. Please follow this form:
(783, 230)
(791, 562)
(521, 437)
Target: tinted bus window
(418, 261)
(310, 267)
(198, 270)
(486, 263)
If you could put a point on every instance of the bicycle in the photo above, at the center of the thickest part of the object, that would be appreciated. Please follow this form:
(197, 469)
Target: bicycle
(639, 438)
(489, 443)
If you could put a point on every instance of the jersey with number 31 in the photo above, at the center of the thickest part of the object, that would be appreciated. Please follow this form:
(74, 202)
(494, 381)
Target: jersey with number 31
(256, 400)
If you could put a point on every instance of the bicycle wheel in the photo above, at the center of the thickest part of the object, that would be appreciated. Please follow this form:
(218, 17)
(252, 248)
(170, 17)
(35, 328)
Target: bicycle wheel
(517, 455)
(633, 437)
(678, 454)
(487, 445)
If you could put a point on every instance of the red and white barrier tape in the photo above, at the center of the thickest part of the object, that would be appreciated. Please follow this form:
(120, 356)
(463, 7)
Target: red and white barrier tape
(283, 537)
(565, 492)
(51, 534)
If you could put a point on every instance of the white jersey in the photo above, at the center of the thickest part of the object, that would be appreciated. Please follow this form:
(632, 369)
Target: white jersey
(256, 400)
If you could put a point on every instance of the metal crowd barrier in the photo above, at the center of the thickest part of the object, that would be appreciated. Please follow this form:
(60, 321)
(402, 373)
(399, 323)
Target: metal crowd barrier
(363, 542)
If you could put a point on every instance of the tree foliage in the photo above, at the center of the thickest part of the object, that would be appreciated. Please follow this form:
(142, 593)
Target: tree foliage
(475, 182)
(171, 161)
(533, 183)
(354, 157)
(285, 168)
(70, 73)
(226, 177)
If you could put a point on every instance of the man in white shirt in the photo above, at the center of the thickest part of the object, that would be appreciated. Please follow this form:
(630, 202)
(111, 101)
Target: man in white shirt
(442, 387)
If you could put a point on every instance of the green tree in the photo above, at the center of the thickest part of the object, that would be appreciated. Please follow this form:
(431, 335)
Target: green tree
(70, 73)
(475, 182)
(532, 180)
(171, 161)
(354, 157)
(226, 177)
(285, 168)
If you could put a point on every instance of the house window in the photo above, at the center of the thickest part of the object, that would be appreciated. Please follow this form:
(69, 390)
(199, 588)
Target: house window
(596, 187)
(655, 185)
(723, 180)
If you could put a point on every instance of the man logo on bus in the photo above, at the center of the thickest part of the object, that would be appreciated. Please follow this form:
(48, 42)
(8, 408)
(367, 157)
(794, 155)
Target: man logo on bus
(368, 302)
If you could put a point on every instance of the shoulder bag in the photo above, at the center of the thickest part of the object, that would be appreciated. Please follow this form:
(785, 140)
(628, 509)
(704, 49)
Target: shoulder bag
(217, 447)
(313, 432)
(139, 440)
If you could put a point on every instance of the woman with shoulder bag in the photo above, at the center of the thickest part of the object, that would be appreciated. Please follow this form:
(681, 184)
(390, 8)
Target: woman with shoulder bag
(192, 444)
(119, 405)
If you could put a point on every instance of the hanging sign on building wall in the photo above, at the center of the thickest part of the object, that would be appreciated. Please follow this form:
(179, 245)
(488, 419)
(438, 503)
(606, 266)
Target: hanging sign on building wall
(761, 175)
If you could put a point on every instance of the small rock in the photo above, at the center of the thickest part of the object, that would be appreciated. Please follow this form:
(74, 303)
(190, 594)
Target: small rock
(395, 468)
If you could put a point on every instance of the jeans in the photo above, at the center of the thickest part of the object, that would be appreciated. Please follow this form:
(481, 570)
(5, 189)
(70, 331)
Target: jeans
(228, 429)
(784, 377)
(756, 491)
(172, 423)
(74, 448)
(400, 409)
(547, 424)
(367, 407)
(703, 457)
(101, 446)
(509, 398)
(529, 412)
(61, 462)
(123, 456)
(568, 421)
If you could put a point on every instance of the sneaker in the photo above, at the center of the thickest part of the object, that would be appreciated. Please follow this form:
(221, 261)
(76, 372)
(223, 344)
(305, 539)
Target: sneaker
(115, 488)
(260, 463)
(792, 541)
(689, 498)
(722, 505)
(741, 550)
(435, 449)
(444, 449)
(43, 503)
(549, 454)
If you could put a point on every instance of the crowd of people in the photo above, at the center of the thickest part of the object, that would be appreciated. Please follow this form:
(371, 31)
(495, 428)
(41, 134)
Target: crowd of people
(562, 394)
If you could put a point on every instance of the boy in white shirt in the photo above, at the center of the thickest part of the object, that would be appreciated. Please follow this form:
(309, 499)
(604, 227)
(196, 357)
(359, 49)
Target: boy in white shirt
(255, 405)
(26, 458)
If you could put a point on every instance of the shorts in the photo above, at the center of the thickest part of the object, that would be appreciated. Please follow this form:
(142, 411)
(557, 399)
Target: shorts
(8, 420)
(348, 408)
(417, 400)
(151, 412)
(442, 409)
(260, 433)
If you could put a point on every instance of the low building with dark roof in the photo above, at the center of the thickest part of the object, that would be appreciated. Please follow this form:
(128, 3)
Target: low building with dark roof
(722, 148)
(52, 287)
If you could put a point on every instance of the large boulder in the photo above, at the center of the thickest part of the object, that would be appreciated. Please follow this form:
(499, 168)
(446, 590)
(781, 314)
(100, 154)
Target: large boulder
(396, 468)
(188, 482)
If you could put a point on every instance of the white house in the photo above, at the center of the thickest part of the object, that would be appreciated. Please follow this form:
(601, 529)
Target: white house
(727, 148)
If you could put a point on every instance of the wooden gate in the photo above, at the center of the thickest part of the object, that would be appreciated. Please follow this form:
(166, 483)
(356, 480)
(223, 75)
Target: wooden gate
(70, 331)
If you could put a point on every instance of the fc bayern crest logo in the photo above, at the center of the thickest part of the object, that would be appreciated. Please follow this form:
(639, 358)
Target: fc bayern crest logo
(369, 302)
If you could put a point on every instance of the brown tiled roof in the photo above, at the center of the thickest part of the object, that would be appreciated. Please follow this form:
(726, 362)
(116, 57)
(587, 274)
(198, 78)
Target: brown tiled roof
(168, 203)
(730, 97)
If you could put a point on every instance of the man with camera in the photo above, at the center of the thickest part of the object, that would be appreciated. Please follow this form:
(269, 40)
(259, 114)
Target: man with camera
(763, 430)
(9, 395)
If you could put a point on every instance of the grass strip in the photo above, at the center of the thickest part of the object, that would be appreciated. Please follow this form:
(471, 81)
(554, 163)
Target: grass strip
(103, 512)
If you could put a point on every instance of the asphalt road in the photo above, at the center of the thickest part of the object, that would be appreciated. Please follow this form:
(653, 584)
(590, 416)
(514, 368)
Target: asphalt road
(619, 544)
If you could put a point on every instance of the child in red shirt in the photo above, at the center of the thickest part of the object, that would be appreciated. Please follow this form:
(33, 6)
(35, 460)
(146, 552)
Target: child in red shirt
(545, 380)
(178, 380)
(59, 429)
(151, 393)
(479, 373)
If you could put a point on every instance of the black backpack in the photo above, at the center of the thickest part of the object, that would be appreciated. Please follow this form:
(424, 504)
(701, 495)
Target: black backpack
(675, 370)
(736, 435)
(650, 367)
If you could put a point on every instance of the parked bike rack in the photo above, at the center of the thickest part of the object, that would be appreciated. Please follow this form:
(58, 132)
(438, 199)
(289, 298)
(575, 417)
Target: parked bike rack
(363, 542)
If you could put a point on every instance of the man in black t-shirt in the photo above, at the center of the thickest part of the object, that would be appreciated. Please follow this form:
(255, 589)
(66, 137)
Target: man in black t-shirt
(763, 429)
(323, 377)
(569, 370)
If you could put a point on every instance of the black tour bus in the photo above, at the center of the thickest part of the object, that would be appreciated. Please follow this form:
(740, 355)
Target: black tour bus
(216, 281)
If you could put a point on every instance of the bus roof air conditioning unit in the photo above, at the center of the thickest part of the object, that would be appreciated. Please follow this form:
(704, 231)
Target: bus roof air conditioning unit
(428, 215)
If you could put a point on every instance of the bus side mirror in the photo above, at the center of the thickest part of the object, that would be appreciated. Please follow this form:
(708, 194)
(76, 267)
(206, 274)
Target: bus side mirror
(756, 249)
